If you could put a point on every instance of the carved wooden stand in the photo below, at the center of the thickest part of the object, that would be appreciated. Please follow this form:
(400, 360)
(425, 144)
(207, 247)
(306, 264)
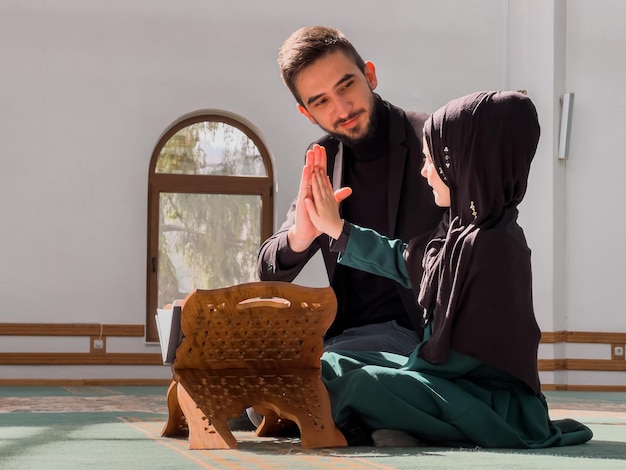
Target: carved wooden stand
(256, 344)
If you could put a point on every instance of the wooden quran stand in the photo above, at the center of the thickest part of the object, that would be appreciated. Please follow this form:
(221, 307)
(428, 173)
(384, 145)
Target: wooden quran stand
(259, 345)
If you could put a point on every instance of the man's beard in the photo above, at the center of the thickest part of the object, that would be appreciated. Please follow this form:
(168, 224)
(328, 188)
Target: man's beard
(353, 139)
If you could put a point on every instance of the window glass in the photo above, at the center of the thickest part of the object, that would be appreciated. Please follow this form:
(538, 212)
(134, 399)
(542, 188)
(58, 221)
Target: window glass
(210, 148)
(206, 241)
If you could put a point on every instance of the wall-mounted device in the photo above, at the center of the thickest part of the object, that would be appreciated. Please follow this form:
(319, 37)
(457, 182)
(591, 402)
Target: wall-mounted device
(567, 106)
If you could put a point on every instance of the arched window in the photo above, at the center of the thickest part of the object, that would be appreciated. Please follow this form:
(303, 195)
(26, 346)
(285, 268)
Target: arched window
(210, 205)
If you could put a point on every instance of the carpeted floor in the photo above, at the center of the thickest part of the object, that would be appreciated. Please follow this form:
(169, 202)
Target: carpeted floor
(119, 428)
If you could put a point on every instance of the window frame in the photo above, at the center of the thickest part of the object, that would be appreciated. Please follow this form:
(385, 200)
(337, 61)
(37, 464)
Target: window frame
(158, 183)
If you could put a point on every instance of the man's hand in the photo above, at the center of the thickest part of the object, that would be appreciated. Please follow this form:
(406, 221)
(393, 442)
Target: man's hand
(316, 158)
(303, 232)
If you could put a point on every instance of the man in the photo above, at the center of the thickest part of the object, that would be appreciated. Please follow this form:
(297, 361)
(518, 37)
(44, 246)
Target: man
(375, 149)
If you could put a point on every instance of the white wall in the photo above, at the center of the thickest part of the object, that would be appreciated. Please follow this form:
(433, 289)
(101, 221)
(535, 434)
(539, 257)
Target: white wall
(596, 73)
(87, 88)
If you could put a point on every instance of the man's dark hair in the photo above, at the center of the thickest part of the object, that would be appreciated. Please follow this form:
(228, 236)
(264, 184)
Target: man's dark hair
(308, 44)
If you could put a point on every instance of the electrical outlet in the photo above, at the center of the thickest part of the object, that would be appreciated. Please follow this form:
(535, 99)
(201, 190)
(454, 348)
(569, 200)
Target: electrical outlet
(617, 351)
(98, 344)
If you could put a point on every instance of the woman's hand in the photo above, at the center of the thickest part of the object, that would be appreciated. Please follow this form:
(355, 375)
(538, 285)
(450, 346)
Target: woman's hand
(323, 206)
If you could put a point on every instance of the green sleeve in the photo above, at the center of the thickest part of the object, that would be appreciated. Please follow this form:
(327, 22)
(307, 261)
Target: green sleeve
(374, 253)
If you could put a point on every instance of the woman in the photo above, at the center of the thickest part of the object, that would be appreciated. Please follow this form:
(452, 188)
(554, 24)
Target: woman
(474, 378)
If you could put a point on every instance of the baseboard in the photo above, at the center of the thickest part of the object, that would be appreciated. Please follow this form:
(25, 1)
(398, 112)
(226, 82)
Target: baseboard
(71, 329)
(102, 357)
(56, 359)
(596, 337)
(582, 388)
(85, 382)
(595, 365)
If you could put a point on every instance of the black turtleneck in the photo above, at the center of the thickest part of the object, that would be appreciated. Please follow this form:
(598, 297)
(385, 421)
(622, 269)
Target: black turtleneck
(366, 171)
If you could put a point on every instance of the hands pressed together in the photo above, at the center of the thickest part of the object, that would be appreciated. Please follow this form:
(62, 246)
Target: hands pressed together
(317, 205)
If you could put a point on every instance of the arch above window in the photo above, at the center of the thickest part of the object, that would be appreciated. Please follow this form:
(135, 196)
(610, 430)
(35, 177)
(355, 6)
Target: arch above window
(210, 147)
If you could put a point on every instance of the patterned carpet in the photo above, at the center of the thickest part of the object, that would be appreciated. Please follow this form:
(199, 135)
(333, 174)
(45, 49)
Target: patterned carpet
(119, 427)
(84, 399)
(152, 399)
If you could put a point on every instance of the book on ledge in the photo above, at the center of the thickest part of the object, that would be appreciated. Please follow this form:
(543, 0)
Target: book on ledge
(168, 328)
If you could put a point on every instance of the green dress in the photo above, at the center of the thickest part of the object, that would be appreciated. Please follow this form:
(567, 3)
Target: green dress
(460, 401)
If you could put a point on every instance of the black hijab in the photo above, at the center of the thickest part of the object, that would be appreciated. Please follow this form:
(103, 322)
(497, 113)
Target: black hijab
(475, 275)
